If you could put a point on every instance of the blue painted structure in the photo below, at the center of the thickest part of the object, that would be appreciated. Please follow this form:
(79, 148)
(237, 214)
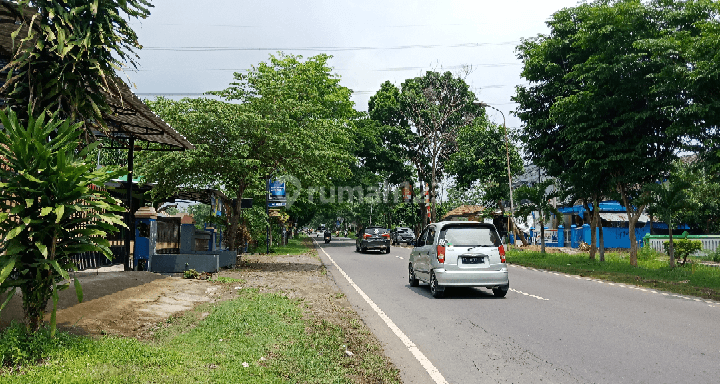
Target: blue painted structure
(145, 241)
(613, 237)
(197, 251)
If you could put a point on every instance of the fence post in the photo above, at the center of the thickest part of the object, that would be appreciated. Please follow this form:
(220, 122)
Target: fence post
(532, 235)
(586, 233)
(573, 236)
(561, 236)
(646, 240)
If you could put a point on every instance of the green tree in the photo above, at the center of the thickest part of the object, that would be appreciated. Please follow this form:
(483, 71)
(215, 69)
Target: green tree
(480, 160)
(703, 213)
(436, 106)
(666, 200)
(292, 120)
(50, 209)
(202, 213)
(66, 61)
(599, 94)
(537, 197)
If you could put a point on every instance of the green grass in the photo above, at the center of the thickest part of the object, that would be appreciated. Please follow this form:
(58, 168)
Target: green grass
(299, 246)
(652, 270)
(227, 280)
(265, 332)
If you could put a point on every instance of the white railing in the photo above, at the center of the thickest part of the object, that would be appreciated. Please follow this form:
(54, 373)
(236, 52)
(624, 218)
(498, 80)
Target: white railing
(710, 243)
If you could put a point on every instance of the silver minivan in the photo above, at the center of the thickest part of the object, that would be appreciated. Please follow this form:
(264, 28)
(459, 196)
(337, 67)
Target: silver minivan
(459, 254)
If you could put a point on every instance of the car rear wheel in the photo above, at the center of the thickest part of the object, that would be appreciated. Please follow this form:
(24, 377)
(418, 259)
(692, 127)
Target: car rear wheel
(435, 288)
(414, 282)
(387, 250)
(501, 291)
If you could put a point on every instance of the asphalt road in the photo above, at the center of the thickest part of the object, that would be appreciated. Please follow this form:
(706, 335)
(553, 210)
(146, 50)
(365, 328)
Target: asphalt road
(550, 327)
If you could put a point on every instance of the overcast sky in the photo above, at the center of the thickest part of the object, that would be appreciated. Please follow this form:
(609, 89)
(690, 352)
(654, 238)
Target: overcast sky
(191, 47)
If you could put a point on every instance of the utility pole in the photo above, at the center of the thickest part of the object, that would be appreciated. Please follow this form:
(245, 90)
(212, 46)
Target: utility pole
(507, 156)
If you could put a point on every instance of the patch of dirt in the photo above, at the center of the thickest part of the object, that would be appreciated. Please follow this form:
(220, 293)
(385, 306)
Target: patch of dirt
(136, 304)
(123, 303)
(131, 303)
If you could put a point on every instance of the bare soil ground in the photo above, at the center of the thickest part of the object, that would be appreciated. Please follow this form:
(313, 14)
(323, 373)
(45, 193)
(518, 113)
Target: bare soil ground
(131, 303)
(136, 304)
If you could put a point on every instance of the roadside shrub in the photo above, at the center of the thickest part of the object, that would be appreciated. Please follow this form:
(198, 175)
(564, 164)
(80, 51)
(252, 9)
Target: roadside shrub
(191, 274)
(683, 248)
(715, 256)
(20, 347)
(647, 253)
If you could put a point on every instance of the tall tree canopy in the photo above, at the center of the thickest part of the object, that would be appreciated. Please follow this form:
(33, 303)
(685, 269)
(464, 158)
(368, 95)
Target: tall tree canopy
(608, 100)
(436, 106)
(292, 121)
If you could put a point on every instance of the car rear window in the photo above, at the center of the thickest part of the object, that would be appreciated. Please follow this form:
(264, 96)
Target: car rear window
(464, 236)
(403, 229)
(375, 230)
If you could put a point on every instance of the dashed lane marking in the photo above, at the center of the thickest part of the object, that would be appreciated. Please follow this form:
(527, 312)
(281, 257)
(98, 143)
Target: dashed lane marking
(713, 304)
(528, 295)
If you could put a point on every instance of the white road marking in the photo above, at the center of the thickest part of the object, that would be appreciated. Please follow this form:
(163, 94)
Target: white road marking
(529, 295)
(424, 361)
(713, 304)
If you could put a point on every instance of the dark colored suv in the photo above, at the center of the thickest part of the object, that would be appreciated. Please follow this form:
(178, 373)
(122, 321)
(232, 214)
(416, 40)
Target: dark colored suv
(401, 235)
(373, 238)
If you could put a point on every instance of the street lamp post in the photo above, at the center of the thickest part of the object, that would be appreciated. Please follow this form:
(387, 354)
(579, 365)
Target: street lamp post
(507, 156)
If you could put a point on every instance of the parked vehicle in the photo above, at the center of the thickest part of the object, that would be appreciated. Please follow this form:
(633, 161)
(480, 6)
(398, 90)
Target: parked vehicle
(401, 235)
(373, 238)
(459, 254)
(327, 237)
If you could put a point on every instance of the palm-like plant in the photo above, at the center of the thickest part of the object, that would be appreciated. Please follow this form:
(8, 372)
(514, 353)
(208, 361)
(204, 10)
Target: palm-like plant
(536, 199)
(67, 53)
(50, 209)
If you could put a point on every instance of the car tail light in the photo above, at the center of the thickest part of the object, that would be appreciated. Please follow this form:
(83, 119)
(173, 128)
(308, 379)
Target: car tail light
(367, 236)
(386, 235)
(441, 254)
(501, 249)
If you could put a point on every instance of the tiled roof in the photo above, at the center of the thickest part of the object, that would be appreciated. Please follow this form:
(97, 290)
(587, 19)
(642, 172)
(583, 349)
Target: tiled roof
(464, 211)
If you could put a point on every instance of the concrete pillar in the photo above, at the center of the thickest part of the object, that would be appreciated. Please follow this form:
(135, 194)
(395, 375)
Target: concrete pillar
(586, 235)
(561, 236)
(573, 236)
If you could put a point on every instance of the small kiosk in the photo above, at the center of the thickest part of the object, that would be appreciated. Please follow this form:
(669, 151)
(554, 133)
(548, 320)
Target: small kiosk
(173, 244)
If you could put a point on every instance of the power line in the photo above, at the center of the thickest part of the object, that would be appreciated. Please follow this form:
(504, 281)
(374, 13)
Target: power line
(327, 49)
(390, 69)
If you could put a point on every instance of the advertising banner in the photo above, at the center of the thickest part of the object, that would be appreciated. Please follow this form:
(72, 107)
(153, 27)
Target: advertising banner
(277, 191)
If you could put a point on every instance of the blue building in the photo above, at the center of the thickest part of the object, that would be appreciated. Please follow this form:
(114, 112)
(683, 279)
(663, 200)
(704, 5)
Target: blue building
(574, 227)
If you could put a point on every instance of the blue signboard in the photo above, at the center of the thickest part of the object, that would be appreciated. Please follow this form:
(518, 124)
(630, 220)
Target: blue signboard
(277, 191)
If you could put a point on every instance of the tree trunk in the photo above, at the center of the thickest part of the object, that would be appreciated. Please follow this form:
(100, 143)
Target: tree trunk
(423, 208)
(593, 226)
(598, 225)
(234, 218)
(431, 191)
(542, 233)
(671, 248)
(633, 216)
(602, 242)
(518, 233)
